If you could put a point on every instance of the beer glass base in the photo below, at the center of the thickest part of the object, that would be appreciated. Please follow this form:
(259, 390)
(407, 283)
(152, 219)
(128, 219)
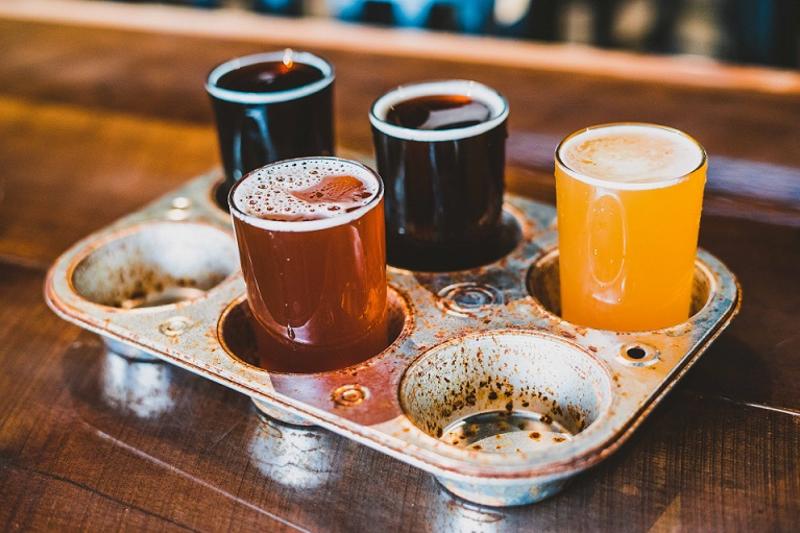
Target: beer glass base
(544, 284)
(240, 334)
(447, 256)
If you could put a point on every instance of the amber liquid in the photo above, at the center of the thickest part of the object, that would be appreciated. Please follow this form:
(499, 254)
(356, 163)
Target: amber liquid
(319, 296)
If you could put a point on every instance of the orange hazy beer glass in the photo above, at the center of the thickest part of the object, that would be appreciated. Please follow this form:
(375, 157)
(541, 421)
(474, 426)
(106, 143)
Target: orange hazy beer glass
(629, 197)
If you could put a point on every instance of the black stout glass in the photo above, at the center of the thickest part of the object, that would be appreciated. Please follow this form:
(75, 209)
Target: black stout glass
(268, 107)
(440, 149)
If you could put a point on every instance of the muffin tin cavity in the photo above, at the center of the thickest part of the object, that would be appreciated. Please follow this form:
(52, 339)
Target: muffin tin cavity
(544, 285)
(238, 337)
(156, 264)
(505, 391)
(466, 256)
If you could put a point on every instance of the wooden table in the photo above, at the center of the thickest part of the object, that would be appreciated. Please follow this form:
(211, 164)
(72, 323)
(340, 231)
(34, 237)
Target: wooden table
(98, 117)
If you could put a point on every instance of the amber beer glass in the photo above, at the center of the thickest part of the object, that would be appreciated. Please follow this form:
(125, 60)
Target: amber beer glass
(311, 240)
(629, 197)
(440, 148)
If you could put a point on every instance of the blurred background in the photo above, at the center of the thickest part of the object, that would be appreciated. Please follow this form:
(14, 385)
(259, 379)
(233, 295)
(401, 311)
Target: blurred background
(765, 32)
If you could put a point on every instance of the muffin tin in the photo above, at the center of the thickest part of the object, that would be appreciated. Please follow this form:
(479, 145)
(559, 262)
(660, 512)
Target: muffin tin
(484, 386)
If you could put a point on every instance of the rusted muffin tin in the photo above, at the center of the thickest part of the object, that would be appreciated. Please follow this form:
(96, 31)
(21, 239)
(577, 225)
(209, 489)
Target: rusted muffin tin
(484, 386)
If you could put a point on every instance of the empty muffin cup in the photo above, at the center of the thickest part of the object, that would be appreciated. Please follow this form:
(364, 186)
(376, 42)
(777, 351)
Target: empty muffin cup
(510, 392)
(153, 266)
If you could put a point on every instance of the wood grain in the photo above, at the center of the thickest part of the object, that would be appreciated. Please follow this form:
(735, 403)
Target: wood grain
(328, 33)
(164, 79)
(151, 446)
(92, 167)
(97, 121)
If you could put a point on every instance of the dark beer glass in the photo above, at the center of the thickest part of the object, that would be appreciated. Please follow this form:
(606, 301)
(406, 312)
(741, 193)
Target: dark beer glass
(311, 241)
(271, 106)
(440, 148)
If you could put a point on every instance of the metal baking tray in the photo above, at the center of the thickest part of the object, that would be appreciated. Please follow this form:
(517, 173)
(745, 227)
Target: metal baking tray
(484, 386)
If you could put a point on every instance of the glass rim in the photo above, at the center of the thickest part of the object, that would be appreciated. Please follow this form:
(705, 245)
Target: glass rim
(302, 226)
(248, 97)
(418, 89)
(629, 186)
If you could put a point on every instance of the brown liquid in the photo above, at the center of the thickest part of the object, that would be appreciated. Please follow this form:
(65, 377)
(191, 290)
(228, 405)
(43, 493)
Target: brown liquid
(444, 199)
(438, 112)
(269, 76)
(320, 296)
(252, 135)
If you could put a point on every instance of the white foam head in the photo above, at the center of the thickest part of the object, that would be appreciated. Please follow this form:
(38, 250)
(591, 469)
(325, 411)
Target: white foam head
(497, 104)
(630, 155)
(243, 97)
(268, 190)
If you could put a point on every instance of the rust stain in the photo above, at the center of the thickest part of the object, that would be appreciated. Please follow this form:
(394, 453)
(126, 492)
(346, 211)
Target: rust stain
(447, 395)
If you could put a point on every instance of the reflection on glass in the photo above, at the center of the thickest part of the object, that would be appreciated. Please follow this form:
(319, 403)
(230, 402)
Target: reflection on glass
(293, 456)
(137, 388)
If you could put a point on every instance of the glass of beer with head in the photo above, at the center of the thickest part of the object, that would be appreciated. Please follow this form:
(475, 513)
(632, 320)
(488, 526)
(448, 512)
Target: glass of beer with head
(271, 106)
(629, 197)
(311, 241)
(440, 147)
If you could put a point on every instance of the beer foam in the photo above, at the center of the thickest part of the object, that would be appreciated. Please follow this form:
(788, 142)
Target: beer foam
(303, 194)
(631, 156)
(496, 103)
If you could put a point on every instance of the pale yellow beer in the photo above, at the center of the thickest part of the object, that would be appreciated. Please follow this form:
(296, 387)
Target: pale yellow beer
(629, 197)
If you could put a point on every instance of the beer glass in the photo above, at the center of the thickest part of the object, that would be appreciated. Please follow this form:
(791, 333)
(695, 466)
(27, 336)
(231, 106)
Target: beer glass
(629, 197)
(440, 148)
(311, 240)
(271, 106)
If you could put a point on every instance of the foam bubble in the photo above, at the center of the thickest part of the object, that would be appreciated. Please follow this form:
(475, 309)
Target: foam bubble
(632, 154)
(313, 192)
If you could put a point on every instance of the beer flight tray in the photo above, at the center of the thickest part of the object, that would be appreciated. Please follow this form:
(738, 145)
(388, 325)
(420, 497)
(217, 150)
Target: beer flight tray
(484, 385)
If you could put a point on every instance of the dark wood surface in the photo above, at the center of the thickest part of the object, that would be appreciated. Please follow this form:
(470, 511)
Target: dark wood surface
(95, 122)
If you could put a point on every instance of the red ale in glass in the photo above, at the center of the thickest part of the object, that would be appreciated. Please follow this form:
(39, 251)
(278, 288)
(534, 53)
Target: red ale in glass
(312, 246)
